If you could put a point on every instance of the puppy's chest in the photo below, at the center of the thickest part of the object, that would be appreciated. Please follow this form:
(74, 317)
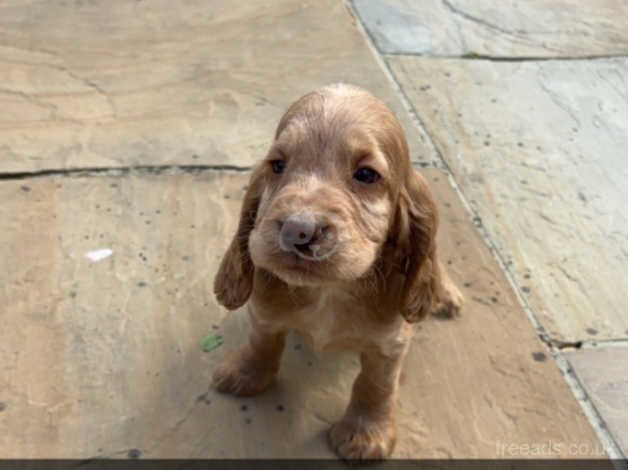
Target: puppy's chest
(329, 323)
(336, 321)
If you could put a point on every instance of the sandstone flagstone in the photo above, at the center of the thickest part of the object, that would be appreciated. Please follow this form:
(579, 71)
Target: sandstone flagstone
(534, 28)
(539, 150)
(603, 374)
(100, 356)
(116, 84)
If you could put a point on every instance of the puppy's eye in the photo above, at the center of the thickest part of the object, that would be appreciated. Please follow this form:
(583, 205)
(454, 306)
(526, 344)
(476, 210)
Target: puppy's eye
(278, 166)
(366, 175)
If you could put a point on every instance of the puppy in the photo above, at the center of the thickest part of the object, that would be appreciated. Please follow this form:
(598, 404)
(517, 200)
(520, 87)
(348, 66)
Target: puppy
(336, 241)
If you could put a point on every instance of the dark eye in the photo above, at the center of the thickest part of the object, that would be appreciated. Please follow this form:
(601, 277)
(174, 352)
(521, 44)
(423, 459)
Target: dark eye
(278, 166)
(366, 175)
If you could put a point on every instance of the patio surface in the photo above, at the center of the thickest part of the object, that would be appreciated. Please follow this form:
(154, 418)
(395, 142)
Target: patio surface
(131, 127)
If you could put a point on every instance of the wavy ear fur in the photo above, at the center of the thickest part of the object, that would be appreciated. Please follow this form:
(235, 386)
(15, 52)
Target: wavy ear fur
(233, 283)
(416, 232)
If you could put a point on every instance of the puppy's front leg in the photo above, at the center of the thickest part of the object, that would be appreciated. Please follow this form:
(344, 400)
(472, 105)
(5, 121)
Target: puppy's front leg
(448, 299)
(250, 369)
(367, 431)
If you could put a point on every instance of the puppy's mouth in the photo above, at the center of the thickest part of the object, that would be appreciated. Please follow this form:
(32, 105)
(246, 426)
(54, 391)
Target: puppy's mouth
(296, 269)
(304, 263)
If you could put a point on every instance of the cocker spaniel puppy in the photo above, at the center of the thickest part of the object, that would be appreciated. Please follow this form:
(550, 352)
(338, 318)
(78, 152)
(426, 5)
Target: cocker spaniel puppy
(336, 241)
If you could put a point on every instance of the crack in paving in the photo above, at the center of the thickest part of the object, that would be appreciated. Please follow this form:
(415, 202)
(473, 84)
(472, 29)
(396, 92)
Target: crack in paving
(121, 171)
(480, 21)
(520, 36)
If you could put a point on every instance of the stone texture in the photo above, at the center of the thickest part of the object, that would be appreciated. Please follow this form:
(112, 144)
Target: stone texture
(602, 373)
(103, 358)
(534, 28)
(539, 149)
(109, 84)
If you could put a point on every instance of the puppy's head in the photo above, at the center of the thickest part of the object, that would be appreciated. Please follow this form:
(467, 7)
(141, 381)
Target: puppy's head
(335, 188)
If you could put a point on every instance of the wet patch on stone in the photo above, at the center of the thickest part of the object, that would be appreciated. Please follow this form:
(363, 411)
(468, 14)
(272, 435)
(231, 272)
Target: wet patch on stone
(539, 356)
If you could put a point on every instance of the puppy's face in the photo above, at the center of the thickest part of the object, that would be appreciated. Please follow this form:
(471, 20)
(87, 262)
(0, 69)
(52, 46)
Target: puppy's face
(335, 194)
(328, 187)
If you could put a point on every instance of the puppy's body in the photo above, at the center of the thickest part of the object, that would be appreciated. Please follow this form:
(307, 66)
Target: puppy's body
(336, 242)
(330, 318)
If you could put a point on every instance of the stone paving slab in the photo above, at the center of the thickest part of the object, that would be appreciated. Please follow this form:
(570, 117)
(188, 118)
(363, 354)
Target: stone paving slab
(603, 374)
(539, 150)
(534, 28)
(102, 357)
(110, 84)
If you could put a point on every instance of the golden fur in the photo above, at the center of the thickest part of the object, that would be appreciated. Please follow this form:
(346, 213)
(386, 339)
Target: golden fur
(382, 275)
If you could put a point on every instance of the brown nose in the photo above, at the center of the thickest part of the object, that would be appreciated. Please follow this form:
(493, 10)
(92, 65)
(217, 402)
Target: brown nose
(299, 231)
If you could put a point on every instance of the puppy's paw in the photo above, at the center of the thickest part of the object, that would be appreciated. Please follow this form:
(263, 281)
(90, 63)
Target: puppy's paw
(242, 375)
(450, 304)
(362, 438)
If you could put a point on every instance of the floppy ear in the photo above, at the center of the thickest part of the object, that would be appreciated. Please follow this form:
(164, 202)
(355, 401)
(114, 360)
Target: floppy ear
(417, 222)
(234, 281)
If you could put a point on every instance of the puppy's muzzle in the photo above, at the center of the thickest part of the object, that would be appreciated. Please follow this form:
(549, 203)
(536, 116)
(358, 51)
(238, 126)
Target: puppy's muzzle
(311, 236)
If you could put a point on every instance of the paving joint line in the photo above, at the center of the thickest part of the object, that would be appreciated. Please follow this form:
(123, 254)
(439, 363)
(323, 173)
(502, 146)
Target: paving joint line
(491, 58)
(578, 391)
(590, 411)
(596, 343)
(121, 171)
(146, 170)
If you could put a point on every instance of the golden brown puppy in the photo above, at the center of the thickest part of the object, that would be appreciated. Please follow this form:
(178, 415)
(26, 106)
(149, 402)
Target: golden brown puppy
(336, 241)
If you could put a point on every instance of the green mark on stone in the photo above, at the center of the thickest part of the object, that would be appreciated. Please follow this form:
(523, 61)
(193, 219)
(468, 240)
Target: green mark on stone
(211, 342)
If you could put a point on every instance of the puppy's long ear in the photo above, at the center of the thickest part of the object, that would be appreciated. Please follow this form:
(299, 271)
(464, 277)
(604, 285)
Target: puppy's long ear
(234, 281)
(416, 226)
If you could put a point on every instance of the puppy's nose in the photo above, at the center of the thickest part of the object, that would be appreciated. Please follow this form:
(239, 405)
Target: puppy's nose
(298, 230)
